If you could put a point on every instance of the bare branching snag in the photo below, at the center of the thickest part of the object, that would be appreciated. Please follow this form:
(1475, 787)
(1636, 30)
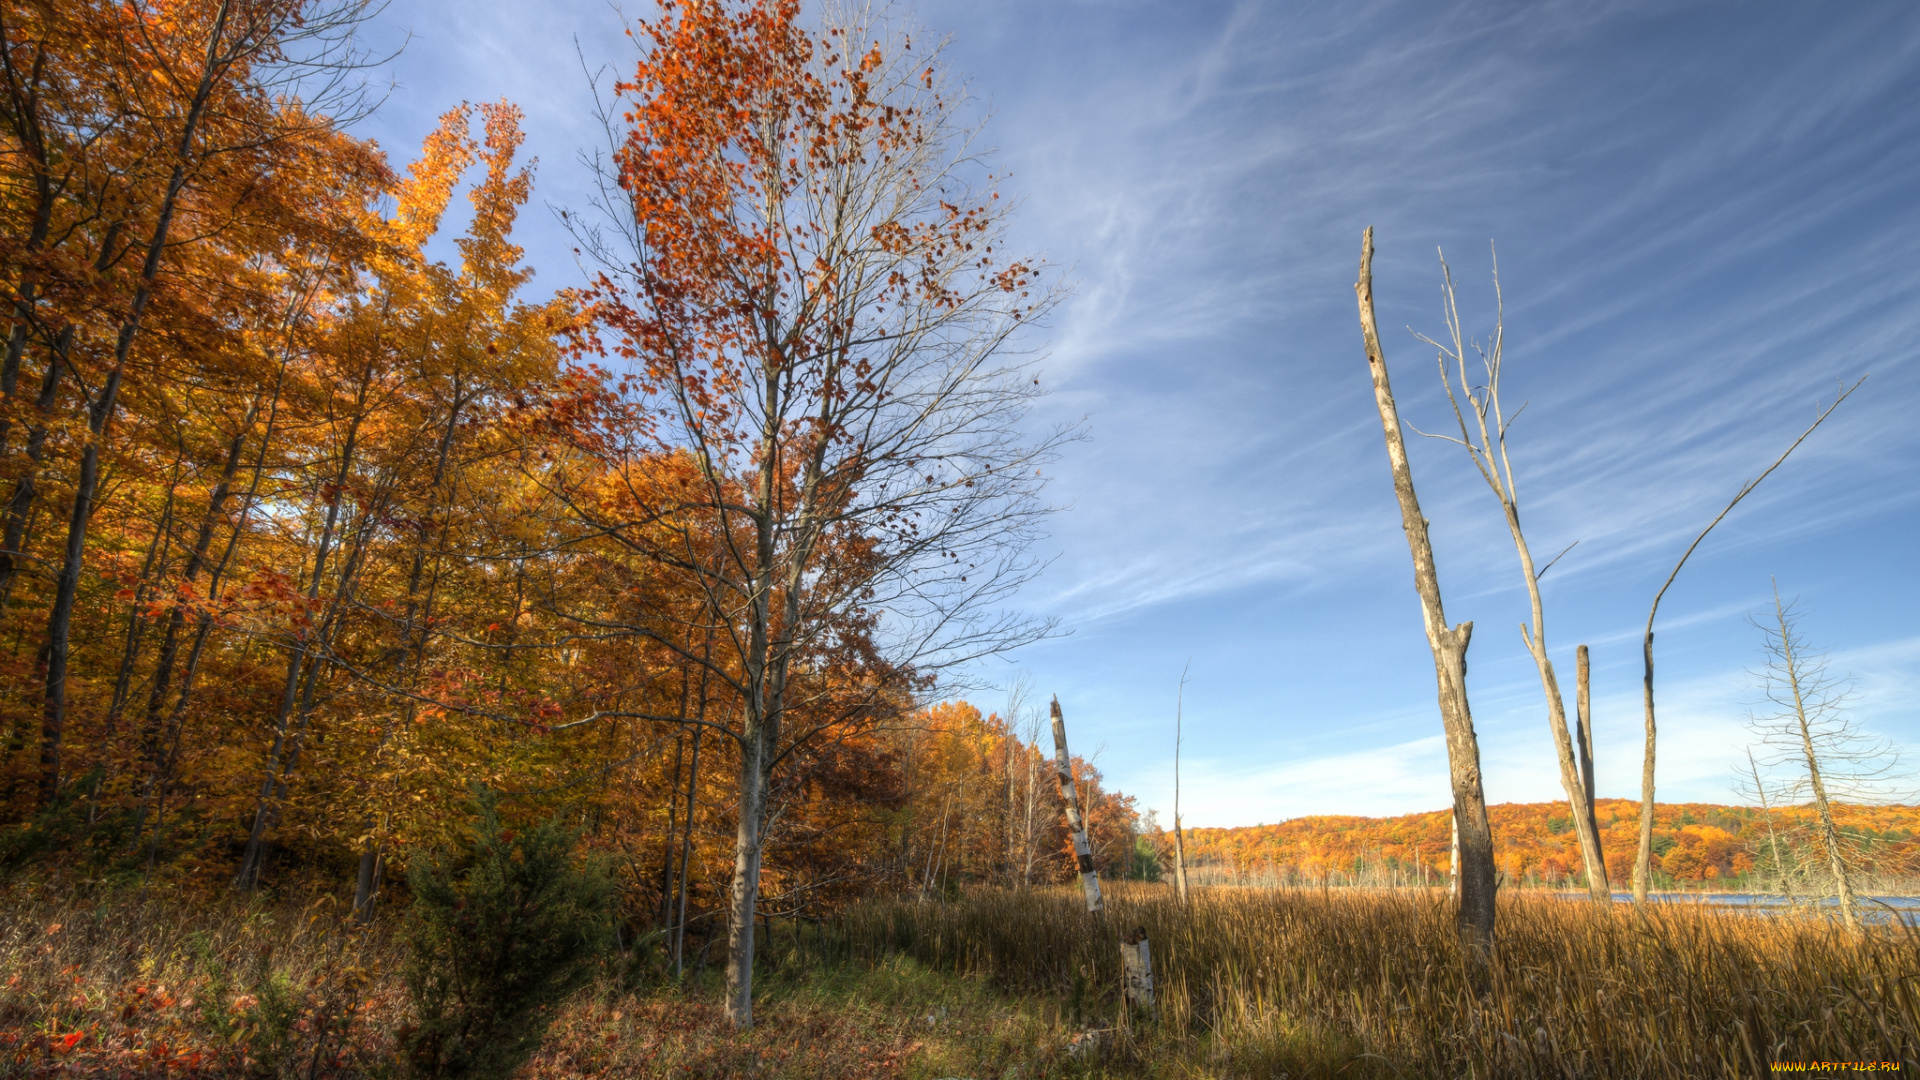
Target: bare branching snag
(1812, 750)
(1483, 433)
(1449, 645)
(1643, 859)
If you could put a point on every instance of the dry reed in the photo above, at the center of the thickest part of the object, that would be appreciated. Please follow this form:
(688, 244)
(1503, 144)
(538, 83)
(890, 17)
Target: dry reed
(1296, 981)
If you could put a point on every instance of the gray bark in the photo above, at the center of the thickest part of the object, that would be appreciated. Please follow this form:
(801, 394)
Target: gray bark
(1583, 730)
(1449, 646)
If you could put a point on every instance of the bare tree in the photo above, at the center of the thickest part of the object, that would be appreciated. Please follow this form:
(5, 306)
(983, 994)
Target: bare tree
(1643, 859)
(1485, 440)
(1749, 785)
(1179, 842)
(1812, 749)
(1449, 645)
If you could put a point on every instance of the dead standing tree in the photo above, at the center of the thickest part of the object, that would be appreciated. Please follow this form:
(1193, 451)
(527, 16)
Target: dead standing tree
(1810, 736)
(1643, 859)
(1179, 840)
(1076, 825)
(1583, 726)
(1485, 440)
(1449, 645)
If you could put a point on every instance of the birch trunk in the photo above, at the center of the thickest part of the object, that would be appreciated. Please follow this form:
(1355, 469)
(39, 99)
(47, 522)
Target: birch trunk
(1136, 973)
(746, 884)
(1449, 646)
(1082, 852)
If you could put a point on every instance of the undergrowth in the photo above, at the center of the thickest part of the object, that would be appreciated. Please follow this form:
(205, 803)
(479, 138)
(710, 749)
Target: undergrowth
(993, 986)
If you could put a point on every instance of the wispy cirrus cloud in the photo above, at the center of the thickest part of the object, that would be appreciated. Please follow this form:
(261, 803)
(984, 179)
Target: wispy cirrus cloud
(1705, 223)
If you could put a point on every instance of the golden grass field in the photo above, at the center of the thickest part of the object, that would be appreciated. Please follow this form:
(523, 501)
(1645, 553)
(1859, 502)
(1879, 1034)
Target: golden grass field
(1252, 984)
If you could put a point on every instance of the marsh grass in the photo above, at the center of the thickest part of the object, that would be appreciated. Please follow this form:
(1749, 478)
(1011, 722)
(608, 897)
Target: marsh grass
(995, 986)
(1313, 982)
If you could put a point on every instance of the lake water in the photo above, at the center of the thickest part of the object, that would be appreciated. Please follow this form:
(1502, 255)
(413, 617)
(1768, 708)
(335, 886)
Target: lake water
(1872, 908)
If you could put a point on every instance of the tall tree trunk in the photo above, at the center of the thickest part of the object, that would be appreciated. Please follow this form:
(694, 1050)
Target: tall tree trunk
(177, 617)
(665, 916)
(1583, 721)
(159, 785)
(745, 894)
(1076, 824)
(1643, 856)
(158, 552)
(686, 849)
(413, 646)
(20, 504)
(99, 417)
(1449, 646)
(306, 647)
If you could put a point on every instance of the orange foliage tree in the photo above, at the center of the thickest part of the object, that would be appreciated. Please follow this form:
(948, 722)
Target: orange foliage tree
(813, 432)
(308, 531)
(1696, 845)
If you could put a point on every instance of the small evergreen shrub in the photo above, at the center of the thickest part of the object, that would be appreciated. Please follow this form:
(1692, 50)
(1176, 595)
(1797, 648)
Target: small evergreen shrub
(502, 930)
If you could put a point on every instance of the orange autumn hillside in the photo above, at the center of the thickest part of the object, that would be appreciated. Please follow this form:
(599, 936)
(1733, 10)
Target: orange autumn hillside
(1694, 844)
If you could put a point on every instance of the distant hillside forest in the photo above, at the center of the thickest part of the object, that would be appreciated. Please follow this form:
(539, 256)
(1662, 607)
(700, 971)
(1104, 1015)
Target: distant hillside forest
(1694, 845)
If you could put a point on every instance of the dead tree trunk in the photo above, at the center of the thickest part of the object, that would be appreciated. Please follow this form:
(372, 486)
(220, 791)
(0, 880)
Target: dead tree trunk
(1485, 441)
(1453, 856)
(1789, 660)
(1179, 840)
(1449, 646)
(1082, 852)
(1583, 731)
(1136, 973)
(1643, 859)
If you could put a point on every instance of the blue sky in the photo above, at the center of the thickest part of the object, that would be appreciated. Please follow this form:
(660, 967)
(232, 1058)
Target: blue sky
(1707, 215)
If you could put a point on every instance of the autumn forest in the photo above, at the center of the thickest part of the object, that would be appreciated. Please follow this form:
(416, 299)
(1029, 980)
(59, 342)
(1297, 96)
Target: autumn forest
(327, 534)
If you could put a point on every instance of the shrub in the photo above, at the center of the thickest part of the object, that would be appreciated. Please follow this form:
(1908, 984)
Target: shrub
(502, 930)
